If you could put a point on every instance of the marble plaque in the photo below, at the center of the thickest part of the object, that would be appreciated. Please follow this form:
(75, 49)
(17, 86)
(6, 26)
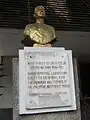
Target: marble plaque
(48, 80)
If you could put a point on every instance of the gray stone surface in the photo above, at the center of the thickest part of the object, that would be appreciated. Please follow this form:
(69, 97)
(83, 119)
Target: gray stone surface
(70, 115)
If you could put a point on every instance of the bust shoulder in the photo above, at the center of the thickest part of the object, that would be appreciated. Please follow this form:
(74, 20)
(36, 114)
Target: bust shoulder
(34, 25)
(30, 25)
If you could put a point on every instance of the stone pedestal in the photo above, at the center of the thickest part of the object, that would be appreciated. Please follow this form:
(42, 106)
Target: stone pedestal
(70, 115)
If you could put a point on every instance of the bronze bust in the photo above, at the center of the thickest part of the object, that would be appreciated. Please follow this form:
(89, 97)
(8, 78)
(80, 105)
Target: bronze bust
(39, 34)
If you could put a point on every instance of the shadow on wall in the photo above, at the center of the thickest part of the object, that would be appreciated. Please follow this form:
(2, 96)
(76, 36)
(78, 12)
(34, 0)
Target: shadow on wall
(6, 81)
(6, 114)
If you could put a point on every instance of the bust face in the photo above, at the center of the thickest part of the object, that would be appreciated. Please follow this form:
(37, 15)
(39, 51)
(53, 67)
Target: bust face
(40, 11)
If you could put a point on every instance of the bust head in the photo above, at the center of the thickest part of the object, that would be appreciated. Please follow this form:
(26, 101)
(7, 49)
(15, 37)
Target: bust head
(39, 12)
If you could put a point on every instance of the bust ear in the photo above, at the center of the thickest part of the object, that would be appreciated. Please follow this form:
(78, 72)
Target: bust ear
(35, 15)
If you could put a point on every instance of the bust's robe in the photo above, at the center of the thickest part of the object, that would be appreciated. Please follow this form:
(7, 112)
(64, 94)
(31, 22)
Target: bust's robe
(40, 34)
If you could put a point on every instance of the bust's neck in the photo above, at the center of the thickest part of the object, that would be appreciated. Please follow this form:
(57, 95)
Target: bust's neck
(40, 20)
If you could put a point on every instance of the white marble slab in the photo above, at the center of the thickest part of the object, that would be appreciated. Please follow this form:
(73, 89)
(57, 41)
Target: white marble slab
(35, 100)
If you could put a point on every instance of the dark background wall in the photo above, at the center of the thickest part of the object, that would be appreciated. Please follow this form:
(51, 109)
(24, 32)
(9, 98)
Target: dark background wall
(62, 14)
(6, 114)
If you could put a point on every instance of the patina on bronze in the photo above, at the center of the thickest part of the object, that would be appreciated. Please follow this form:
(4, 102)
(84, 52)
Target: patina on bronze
(39, 34)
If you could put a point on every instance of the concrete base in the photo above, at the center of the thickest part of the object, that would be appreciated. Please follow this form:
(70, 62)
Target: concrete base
(71, 115)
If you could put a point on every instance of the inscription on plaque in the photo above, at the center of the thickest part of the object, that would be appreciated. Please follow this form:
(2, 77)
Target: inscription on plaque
(47, 79)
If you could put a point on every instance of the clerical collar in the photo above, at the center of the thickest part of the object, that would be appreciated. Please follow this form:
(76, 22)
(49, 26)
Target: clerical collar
(38, 22)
